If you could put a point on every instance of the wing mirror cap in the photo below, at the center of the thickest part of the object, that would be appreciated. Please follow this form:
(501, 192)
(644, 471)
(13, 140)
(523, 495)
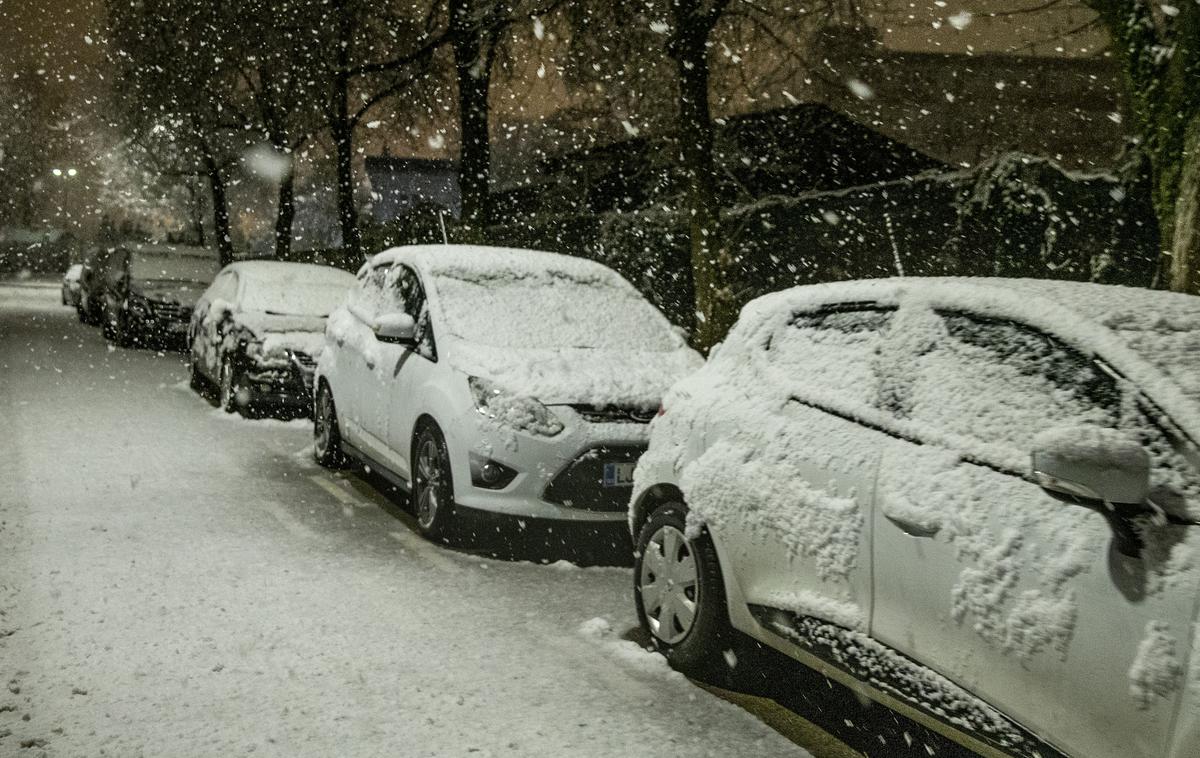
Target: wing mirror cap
(397, 328)
(1092, 464)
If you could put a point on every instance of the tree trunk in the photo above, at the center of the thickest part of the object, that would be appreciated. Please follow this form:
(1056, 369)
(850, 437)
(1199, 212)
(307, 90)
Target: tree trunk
(715, 309)
(1185, 248)
(341, 128)
(285, 212)
(472, 66)
(197, 208)
(220, 202)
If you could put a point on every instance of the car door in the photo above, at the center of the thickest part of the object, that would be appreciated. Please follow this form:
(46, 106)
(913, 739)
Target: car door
(799, 539)
(367, 366)
(1008, 592)
(412, 370)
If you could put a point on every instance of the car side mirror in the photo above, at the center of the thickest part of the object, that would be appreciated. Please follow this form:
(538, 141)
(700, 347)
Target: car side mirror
(1103, 469)
(396, 329)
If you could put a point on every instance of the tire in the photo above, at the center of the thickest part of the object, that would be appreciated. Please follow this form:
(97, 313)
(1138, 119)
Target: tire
(432, 491)
(122, 335)
(196, 380)
(228, 386)
(327, 435)
(667, 587)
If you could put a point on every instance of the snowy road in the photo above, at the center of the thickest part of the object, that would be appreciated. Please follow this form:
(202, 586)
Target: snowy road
(178, 582)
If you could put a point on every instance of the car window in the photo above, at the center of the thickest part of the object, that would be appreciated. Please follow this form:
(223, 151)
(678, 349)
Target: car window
(410, 294)
(1002, 383)
(372, 297)
(831, 350)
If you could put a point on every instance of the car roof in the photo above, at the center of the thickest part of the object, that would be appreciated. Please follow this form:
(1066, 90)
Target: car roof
(267, 268)
(1151, 336)
(481, 259)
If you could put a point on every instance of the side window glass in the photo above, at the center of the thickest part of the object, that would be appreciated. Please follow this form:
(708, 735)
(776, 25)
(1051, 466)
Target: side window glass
(410, 295)
(1002, 383)
(831, 351)
(368, 298)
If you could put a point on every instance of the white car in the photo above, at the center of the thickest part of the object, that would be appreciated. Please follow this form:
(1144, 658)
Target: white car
(495, 383)
(258, 329)
(974, 501)
(70, 285)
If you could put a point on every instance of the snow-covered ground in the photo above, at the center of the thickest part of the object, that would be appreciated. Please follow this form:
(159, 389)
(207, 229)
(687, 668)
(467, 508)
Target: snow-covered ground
(175, 582)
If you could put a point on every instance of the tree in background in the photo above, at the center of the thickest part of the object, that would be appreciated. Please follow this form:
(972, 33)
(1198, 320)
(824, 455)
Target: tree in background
(1159, 45)
(688, 31)
(175, 65)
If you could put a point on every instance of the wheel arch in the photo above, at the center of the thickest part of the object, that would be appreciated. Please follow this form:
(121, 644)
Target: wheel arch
(650, 499)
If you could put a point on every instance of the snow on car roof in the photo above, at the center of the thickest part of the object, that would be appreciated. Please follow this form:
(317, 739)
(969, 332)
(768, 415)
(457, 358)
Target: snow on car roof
(1150, 336)
(481, 259)
(274, 270)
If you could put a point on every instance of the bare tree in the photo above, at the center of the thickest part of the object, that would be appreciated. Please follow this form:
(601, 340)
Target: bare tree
(1159, 45)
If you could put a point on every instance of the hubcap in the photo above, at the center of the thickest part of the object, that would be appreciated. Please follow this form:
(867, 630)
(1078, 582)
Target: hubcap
(668, 581)
(429, 481)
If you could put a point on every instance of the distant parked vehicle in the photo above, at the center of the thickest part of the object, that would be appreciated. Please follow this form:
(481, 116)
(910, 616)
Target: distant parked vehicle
(149, 292)
(975, 501)
(258, 329)
(495, 384)
(91, 285)
(70, 285)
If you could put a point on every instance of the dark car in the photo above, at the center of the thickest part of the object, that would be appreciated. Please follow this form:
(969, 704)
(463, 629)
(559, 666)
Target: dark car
(150, 290)
(257, 332)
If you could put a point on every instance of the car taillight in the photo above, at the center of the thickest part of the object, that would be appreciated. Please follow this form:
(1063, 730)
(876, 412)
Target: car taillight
(662, 409)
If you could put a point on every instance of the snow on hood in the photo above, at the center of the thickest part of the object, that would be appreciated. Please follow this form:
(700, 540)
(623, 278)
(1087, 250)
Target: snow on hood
(183, 293)
(303, 333)
(562, 376)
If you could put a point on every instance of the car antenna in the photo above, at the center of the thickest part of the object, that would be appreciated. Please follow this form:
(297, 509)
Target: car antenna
(442, 223)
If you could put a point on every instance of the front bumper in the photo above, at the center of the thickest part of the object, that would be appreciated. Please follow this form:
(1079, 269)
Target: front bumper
(558, 478)
(288, 385)
(154, 321)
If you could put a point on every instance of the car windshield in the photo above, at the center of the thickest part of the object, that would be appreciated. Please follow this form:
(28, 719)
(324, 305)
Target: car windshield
(171, 267)
(295, 295)
(551, 309)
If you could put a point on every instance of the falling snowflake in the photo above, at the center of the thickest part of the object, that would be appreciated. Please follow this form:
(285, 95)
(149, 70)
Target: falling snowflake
(961, 20)
(860, 89)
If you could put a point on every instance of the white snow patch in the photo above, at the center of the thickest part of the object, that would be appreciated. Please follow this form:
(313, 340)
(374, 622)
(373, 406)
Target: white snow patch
(1156, 669)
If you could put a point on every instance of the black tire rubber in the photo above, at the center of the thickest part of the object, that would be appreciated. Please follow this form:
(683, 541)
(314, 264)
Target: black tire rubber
(195, 379)
(228, 404)
(442, 528)
(122, 335)
(332, 456)
(701, 652)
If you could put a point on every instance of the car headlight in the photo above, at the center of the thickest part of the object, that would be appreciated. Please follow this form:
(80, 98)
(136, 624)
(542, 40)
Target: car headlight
(523, 414)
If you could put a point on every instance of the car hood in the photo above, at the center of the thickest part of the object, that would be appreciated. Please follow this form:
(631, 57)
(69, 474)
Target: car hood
(278, 333)
(580, 376)
(183, 293)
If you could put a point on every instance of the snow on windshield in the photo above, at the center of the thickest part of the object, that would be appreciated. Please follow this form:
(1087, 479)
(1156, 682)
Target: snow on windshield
(532, 310)
(168, 267)
(297, 296)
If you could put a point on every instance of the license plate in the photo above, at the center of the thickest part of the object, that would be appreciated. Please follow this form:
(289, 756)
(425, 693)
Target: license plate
(618, 474)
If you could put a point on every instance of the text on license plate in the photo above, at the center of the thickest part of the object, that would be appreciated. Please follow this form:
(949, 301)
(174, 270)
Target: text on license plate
(618, 474)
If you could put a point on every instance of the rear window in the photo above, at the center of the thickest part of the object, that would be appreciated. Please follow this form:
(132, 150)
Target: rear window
(832, 350)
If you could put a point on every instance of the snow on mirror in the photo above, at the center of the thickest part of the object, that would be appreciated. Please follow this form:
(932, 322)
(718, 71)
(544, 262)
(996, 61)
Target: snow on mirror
(398, 328)
(1094, 463)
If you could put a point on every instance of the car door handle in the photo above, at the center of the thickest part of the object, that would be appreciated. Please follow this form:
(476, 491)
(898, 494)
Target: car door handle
(911, 527)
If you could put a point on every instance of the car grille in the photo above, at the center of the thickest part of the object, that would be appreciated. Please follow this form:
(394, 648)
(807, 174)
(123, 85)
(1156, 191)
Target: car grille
(614, 414)
(169, 311)
(581, 483)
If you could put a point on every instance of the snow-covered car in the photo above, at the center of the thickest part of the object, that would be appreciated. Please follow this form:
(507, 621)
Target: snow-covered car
(149, 292)
(70, 285)
(258, 329)
(494, 383)
(973, 501)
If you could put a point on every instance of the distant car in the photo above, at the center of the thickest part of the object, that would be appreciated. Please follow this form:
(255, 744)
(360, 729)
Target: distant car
(90, 307)
(149, 292)
(70, 285)
(974, 501)
(258, 329)
(495, 384)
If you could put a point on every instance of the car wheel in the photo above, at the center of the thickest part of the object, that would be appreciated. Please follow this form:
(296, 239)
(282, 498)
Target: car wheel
(229, 386)
(678, 591)
(327, 436)
(196, 379)
(122, 334)
(432, 488)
